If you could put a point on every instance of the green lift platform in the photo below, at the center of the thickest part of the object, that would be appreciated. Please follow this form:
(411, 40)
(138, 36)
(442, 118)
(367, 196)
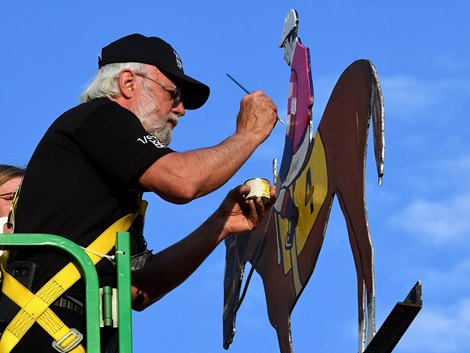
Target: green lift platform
(98, 302)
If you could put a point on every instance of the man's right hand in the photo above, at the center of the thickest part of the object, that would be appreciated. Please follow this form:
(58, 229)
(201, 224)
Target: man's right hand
(257, 116)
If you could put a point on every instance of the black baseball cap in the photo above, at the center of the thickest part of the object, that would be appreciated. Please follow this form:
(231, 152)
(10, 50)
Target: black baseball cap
(155, 51)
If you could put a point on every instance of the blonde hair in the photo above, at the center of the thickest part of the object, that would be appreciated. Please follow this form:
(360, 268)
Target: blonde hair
(8, 172)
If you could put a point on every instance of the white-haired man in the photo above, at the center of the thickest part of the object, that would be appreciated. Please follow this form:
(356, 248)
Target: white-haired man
(94, 161)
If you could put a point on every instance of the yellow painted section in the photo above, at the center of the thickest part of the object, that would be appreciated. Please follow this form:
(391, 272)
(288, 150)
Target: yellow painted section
(283, 225)
(303, 197)
(309, 189)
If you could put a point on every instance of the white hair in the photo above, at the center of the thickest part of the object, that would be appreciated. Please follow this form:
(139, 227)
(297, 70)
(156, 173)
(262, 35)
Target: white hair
(104, 85)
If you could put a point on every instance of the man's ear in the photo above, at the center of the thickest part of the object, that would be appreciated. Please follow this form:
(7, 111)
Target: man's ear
(126, 83)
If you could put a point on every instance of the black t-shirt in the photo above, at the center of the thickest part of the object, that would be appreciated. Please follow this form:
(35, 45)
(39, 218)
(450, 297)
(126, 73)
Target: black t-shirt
(81, 178)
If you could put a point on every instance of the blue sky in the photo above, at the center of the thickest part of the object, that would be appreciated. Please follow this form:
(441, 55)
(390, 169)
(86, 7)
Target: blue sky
(419, 218)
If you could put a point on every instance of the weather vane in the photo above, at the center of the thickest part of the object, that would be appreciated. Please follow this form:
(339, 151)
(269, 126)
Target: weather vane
(314, 169)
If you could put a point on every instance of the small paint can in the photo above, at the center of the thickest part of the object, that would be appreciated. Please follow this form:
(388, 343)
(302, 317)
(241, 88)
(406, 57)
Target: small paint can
(259, 188)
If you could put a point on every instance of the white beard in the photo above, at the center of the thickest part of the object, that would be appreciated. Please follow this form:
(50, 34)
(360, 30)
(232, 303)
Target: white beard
(148, 113)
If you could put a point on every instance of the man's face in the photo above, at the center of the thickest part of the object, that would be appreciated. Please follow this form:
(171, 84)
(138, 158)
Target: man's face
(155, 106)
(7, 191)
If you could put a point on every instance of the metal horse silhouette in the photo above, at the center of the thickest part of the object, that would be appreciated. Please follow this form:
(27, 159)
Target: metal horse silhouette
(285, 248)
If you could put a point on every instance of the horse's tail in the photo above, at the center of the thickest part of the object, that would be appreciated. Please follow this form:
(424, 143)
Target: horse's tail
(377, 112)
(234, 269)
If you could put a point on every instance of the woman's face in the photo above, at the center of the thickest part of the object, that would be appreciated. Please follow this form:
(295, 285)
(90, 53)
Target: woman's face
(7, 191)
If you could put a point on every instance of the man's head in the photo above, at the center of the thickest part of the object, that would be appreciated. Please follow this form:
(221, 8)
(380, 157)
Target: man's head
(146, 76)
(136, 48)
(289, 36)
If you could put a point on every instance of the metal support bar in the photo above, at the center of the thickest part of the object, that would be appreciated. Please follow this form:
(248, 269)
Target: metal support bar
(123, 259)
(397, 322)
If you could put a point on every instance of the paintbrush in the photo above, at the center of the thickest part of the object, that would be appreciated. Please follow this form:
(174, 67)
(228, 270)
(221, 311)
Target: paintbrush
(248, 92)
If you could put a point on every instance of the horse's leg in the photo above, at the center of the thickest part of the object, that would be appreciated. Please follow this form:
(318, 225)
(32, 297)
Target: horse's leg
(278, 286)
(234, 268)
(281, 290)
(240, 248)
(284, 335)
(349, 108)
(354, 211)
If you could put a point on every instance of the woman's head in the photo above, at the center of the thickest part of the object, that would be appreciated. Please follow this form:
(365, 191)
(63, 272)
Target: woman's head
(10, 179)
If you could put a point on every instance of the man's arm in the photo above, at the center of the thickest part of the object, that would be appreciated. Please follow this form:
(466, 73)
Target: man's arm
(182, 177)
(170, 267)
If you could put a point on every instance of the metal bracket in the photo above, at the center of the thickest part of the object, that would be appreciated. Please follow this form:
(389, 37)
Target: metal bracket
(397, 322)
(73, 332)
(108, 307)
